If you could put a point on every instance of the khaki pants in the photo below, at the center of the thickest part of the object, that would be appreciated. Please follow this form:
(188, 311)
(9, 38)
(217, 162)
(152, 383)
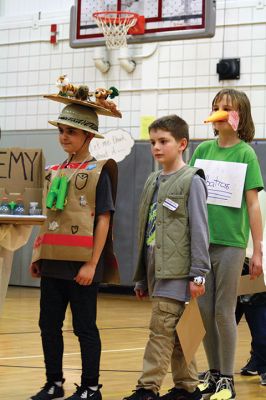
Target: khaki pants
(164, 347)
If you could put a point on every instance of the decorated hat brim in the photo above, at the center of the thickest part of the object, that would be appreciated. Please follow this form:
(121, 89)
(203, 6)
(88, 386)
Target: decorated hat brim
(77, 126)
(72, 100)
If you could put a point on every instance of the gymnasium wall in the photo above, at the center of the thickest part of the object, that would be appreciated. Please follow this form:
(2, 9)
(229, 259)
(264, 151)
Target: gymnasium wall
(179, 77)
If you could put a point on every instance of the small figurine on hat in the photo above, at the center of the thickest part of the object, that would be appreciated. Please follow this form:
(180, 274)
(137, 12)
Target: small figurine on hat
(70, 94)
(101, 96)
(67, 89)
(73, 252)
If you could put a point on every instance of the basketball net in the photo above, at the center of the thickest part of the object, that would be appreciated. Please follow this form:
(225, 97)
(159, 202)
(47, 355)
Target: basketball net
(115, 26)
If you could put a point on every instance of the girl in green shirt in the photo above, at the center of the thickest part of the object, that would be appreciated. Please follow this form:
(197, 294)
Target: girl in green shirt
(229, 229)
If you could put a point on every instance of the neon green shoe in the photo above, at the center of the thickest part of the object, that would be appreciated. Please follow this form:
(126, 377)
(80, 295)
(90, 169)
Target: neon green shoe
(225, 389)
(208, 386)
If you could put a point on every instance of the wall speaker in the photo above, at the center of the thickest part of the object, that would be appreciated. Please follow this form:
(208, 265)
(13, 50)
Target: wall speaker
(228, 68)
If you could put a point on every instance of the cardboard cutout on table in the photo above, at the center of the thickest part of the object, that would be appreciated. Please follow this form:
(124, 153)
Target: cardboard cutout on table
(12, 237)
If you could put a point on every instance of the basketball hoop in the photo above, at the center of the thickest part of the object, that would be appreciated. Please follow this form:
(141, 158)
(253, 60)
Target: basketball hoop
(115, 26)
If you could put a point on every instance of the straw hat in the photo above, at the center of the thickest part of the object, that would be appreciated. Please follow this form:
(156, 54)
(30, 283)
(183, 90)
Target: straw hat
(80, 117)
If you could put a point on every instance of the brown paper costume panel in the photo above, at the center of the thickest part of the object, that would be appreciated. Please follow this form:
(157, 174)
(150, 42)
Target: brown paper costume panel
(68, 234)
(251, 286)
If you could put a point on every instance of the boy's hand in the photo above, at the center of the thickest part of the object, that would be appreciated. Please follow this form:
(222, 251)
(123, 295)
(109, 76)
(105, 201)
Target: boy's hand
(141, 294)
(85, 274)
(35, 270)
(255, 265)
(196, 290)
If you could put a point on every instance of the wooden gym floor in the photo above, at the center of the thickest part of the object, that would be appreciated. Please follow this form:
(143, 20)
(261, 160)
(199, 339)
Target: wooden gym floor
(123, 325)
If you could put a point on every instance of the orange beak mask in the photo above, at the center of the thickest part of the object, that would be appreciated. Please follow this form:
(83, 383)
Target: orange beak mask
(231, 117)
(217, 117)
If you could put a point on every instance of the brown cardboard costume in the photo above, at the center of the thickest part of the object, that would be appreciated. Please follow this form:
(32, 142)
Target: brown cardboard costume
(67, 233)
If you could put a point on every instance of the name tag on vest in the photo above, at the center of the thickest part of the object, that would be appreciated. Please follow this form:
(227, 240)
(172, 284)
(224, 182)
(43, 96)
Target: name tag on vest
(170, 204)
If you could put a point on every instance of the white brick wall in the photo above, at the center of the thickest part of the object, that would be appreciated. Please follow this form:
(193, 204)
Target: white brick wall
(180, 77)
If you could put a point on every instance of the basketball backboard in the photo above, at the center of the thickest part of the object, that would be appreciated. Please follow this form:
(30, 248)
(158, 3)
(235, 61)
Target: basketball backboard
(164, 20)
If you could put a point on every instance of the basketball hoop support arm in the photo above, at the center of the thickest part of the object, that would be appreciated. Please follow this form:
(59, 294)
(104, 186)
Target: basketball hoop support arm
(100, 61)
(128, 63)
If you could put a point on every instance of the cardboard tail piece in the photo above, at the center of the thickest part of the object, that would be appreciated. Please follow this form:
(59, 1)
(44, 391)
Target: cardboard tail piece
(190, 330)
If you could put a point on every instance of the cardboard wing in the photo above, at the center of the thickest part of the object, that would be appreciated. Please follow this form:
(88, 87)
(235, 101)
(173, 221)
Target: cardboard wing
(190, 330)
(248, 286)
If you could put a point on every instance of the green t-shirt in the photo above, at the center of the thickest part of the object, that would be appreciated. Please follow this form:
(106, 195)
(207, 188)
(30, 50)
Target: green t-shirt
(230, 226)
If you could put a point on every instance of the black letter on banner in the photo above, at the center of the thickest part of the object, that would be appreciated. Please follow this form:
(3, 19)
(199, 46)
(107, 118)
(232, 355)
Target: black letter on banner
(31, 161)
(3, 152)
(16, 160)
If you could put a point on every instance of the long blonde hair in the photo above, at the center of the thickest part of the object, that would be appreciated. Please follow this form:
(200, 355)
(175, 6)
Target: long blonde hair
(241, 104)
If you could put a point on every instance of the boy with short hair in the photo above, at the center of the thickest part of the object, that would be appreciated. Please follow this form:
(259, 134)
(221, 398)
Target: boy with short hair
(173, 258)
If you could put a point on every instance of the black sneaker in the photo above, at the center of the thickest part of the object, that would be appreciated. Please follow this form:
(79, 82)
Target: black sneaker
(50, 391)
(250, 368)
(142, 394)
(263, 378)
(182, 394)
(225, 389)
(85, 393)
(201, 376)
(208, 387)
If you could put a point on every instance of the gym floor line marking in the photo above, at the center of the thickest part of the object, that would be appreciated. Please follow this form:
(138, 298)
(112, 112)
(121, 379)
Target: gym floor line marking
(70, 369)
(71, 354)
(71, 330)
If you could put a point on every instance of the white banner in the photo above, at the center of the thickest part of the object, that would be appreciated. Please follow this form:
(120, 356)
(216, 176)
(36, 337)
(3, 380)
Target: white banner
(225, 181)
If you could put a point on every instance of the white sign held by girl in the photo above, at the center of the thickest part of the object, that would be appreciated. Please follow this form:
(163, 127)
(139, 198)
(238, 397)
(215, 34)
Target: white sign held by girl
(225, 181)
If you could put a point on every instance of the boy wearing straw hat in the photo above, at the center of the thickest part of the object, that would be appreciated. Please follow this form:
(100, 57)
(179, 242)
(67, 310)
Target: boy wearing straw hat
(73, 251)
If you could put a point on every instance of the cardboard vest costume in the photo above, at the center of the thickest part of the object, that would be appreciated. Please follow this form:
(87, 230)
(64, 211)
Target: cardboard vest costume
(68, 234)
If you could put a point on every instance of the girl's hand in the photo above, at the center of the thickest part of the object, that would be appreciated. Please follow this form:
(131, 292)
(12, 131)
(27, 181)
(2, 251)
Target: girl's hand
(86, 274)
(35, 270)
(141, 294)
(196, 290)
(255, 266)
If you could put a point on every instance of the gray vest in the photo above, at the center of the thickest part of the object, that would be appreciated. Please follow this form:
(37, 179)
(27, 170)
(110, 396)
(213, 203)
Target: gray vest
(172, 234)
